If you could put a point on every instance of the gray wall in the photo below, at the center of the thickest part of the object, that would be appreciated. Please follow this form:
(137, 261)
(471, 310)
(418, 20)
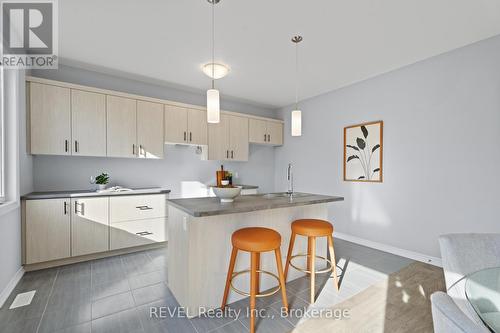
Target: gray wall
(181, 164)
(441, 150)
(19, 176)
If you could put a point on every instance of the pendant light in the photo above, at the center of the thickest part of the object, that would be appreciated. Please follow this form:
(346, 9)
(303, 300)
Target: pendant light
(213, 98)
(296, 113)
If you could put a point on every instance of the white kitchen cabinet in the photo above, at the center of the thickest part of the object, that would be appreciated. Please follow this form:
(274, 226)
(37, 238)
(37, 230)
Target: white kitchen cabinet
(185, 126)
(228, 140)
(89, 225)
(50, 119)
(265, 132)
(88, 123)
(47, 230)
(257, 131)
(238, 138)
(197, 127)
(175, 124)
(121, 126)
(150, 129)
(137, 207)
(136, 233)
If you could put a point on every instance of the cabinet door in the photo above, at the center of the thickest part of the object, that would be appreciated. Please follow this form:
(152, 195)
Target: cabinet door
(218, 139)
(89, 226)
(88, 123)
(47, 230)
(238, 138)
(50, 119)
(176, 123)
(275, 133)
(257, 131)
(150, 129)
(121, 126)
(197, 127)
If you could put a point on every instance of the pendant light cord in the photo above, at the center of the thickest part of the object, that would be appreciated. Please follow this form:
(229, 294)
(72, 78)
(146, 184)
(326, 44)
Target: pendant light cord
(296, 76)
(213, 42)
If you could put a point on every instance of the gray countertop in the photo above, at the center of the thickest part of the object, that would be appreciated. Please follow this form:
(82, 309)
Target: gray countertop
(199, 207)
(89, 193)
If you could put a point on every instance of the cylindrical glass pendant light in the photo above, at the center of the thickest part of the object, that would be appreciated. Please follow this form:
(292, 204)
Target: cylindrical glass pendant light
(213, 97)
(296, 113)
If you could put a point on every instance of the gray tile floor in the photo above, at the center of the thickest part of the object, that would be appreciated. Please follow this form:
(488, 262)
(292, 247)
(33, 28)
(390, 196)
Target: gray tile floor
(117, 294)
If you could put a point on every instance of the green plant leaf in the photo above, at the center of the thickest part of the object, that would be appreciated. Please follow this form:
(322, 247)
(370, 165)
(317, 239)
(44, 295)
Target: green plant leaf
(376, 170)
(377, 146)
(365, 131)
(361, 143)
(353, 147)
(352, 157)
(361, 177)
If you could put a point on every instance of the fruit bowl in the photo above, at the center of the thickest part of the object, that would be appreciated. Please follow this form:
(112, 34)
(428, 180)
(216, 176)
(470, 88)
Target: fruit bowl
(226, 194)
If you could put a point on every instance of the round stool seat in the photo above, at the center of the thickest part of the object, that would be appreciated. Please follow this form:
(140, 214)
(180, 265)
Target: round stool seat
(256, 239)
(312, 227)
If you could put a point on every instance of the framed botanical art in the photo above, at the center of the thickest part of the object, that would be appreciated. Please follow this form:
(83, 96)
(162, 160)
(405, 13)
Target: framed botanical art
(363, 152)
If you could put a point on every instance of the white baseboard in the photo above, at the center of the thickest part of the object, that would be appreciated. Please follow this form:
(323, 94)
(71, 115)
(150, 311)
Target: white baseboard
(10, 286)
(391, 249)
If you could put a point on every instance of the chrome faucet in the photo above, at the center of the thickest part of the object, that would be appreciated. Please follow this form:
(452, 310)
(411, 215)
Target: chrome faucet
(289, 177)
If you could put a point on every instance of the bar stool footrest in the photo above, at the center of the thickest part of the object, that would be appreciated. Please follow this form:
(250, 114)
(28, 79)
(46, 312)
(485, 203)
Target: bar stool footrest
(272, 292)
(326, 270)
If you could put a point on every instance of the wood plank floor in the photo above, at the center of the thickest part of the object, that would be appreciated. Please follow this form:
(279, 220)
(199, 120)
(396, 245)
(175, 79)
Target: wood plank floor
(398, 303)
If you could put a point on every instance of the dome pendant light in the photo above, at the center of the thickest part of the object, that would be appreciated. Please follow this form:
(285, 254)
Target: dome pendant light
(296, 113)
(213, 98)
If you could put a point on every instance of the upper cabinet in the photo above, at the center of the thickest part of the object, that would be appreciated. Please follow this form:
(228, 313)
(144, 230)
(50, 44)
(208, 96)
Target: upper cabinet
(228, 140)
(70, 119)
(88, 123)
(50, 119)
(185, 126)
(150, 129)
(265, 132)
(121, 126)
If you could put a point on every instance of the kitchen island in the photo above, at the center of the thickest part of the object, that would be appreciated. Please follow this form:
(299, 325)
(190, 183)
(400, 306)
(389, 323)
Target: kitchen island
(199, 245)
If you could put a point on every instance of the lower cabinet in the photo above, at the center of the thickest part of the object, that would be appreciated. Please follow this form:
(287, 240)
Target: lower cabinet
(89, 226)
(135, 233)
(70, 227)
(48, 227)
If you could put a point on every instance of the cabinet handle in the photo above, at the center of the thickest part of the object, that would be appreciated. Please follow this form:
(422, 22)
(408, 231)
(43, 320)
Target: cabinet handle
(185, 133)
(143, 233)
(265, 137)
(141, 151)
(190, 136)
(269, 138)
(76, 146)
(66, 146)
(232, 153)
(144, 208)
(65, 208)
(133, 149)
(81, 208)
(227, 153)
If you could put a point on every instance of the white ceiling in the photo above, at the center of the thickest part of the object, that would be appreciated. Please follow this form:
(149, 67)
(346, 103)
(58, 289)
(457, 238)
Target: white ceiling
(344, 41)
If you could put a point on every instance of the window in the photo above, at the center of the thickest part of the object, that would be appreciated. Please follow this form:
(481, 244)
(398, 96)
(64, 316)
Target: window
(2, 139)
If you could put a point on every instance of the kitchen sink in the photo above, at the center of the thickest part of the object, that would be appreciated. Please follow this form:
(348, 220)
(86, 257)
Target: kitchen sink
(282, 195)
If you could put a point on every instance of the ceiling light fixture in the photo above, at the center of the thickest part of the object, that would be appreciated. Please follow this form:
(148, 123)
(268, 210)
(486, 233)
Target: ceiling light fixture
(215, 71)
(296, 113)
(213, 97)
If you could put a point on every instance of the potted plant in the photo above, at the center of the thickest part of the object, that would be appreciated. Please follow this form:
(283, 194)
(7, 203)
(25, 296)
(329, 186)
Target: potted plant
(102, 180)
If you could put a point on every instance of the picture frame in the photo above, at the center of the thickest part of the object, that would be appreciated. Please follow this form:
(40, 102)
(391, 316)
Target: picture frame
(363, 152)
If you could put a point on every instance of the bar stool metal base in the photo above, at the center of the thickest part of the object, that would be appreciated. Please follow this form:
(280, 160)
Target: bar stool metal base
(272, 292)
(326, 270)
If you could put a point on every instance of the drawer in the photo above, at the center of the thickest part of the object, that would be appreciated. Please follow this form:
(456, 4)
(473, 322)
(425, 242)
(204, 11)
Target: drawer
(137, 207)
(135, 233)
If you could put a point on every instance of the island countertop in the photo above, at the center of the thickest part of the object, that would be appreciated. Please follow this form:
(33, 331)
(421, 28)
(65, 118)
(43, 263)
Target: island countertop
(199, 207)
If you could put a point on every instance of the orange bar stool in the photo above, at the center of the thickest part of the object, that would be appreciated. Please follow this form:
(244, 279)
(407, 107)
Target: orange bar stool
(312, 228)
(255, 240)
